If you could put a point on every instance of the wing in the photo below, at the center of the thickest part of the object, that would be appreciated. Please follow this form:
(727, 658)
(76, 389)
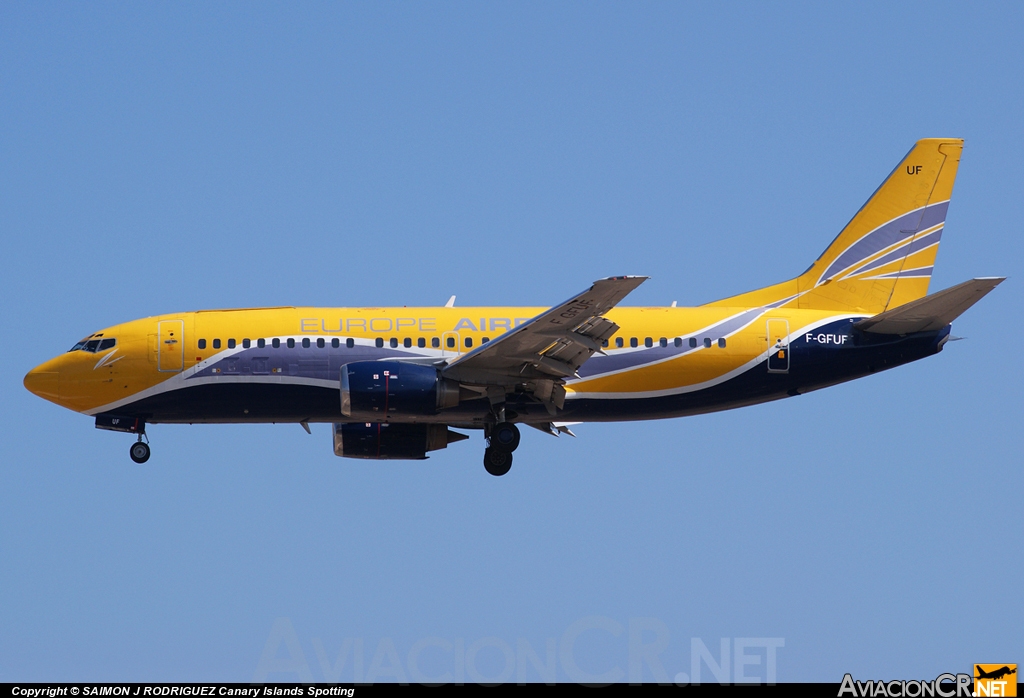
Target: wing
(549, 348)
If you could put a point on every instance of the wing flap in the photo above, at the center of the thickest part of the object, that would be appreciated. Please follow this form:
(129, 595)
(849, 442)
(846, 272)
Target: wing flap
(931, 312)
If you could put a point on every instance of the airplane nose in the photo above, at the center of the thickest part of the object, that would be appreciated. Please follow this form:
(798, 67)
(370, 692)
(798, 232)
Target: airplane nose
(45, 384)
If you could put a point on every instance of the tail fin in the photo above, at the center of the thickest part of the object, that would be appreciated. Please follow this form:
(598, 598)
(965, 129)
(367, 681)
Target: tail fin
(883, 258)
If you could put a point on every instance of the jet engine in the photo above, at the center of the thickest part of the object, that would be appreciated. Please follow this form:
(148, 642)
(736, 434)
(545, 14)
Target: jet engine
(376, 390)
(382, 441)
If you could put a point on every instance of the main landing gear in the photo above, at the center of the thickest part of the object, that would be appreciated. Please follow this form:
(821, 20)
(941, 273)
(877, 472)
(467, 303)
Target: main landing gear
(503, 440)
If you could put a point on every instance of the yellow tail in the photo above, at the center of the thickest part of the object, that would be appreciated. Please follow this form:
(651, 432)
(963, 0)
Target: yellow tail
(883, 258)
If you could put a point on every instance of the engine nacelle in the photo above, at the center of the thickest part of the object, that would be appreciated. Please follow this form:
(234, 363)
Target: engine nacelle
(379, 441)
(376, 390)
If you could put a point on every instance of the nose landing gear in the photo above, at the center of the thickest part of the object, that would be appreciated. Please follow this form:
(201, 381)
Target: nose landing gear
(139, 452)
(502, 441)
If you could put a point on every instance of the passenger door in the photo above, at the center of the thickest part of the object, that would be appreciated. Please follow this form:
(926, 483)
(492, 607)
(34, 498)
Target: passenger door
(778, 345)
(170, 346)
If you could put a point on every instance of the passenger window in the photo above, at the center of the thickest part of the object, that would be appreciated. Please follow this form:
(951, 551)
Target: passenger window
(276, 343)
(435, 342)
(261, 343)
(618, 342)
(693, 342)
(320, 343)
(379, 342)
(632, 341)
(469, 342)
(231, 344)
(291, 342)
(216, 344)
(451, 342)
(721, 343)
(485, 340)
(305, 342)
(707, 342)
(407, 342)
(421, 342)
(246, 343)
(349, 343)
(648, 342)
(335, 343)
(393, 342)
(663, 342)
(679, 341)
(201, 344)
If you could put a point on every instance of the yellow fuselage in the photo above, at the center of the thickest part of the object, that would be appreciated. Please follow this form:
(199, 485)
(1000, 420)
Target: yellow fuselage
(208, 364)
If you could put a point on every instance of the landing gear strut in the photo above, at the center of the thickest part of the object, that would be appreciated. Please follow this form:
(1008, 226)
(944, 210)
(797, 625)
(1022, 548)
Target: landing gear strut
(503, 439)
(139, 452)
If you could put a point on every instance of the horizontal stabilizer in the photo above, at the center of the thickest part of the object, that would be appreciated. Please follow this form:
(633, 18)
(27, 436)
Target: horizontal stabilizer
(932, 312)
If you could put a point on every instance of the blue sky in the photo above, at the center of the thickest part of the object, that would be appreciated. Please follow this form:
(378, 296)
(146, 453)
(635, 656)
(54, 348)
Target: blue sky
(166, 157)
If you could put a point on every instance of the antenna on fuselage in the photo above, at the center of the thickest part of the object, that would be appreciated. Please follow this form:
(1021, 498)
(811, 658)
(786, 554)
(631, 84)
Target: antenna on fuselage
(450, 303)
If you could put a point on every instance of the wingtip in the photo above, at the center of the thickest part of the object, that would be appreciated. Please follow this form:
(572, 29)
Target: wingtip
(637, 278)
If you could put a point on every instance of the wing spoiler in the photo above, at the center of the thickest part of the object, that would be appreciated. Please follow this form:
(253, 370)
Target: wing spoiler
(931, 312)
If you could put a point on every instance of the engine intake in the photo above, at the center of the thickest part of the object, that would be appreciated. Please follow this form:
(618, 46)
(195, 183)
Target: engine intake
(376, 390)
(391, 441)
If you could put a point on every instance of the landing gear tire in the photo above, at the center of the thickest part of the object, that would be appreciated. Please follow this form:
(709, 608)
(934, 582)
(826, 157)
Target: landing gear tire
(139, 452)
(497, 462)
(504, 437)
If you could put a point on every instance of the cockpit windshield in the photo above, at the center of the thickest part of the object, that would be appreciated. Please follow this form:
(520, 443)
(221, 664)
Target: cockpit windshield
(94, 345)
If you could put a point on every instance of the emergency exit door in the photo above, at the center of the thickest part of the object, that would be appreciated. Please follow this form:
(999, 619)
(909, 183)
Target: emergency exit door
(450, 344)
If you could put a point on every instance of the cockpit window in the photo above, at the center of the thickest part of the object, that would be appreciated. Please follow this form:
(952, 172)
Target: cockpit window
(94, 345)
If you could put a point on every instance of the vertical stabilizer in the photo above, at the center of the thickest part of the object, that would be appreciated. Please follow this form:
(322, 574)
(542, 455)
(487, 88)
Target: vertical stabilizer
(884, 256)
